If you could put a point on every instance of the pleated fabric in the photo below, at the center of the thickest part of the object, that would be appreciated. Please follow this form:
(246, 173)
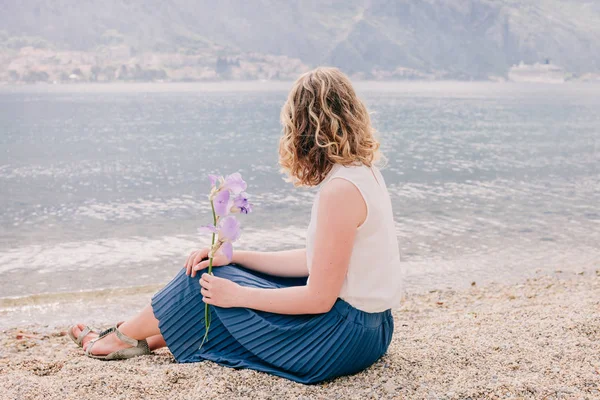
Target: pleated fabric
(304, 348)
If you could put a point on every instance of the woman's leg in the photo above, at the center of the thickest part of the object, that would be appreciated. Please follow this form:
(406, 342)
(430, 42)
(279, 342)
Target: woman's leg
(142, 326)
(156, 342)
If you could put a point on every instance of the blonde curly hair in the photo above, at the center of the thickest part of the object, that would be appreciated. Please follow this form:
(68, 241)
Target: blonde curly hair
(324, 123)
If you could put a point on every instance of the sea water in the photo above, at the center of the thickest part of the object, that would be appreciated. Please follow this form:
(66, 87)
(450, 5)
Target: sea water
(104, 186)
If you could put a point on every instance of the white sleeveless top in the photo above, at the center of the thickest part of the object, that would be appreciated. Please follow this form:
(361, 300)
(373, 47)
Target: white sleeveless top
(374, 279)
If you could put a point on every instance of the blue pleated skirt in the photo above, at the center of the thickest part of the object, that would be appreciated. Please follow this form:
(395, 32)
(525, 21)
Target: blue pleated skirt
(304, 348)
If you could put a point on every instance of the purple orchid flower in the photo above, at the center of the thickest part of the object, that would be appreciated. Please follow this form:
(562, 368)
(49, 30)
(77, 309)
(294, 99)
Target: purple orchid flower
(226, 195)
(207, 229)
(241, 204)
(228, 231)
(227, 250)
(213, 179)
(223, 188)
(235, 183)
(221, 203)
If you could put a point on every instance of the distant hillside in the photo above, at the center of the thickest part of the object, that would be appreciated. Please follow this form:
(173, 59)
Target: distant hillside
(270, 39)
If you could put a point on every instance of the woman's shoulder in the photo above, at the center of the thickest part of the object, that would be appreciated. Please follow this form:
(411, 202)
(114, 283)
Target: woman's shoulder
(359, 174)
(349, 170)
(342, 180)
(342, 198)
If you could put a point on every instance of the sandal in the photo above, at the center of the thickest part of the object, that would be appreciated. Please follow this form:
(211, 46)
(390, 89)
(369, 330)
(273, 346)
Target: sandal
(86, 331)
(139, 347)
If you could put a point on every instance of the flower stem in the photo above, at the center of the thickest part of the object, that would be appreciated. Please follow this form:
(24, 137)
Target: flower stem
(212, 206)
(210, 265)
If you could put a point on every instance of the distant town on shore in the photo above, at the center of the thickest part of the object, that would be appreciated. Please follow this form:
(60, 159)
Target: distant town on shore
(180, 41)
(123, 64)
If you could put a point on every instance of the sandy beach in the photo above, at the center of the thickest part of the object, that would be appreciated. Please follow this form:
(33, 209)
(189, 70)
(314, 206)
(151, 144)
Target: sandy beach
(537, 340)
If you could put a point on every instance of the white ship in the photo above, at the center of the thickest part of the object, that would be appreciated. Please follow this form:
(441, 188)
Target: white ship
(541, 73)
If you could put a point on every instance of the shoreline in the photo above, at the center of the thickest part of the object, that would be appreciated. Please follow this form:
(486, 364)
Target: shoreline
(411, 87)
(109, 303)
(536, 339)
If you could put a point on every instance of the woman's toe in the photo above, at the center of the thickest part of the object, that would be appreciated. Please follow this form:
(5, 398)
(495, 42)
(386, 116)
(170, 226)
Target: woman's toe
(78, 328)
(86, 345)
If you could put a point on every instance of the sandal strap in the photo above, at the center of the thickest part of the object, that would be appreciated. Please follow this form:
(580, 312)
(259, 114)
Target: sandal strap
(82, 335)
(100, 336)
(109, 330)
(125, 339)
(106, 332)
(90, 345)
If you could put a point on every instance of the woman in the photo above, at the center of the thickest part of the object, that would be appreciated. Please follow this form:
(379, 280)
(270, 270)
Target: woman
(309, 314)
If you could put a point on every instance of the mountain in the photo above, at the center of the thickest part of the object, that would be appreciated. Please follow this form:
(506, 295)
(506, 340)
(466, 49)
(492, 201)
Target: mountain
(271, 39)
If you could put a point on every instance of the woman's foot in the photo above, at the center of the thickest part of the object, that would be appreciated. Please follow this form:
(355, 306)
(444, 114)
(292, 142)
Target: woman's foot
(143, 325)
(154, 342)
(77, 329)
(108, 344)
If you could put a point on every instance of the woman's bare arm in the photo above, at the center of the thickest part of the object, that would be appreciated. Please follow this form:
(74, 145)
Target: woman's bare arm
(341, 210)
(287, 263)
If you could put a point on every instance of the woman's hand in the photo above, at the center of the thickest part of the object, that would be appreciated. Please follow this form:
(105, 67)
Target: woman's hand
(198, 260)
(219, 291)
